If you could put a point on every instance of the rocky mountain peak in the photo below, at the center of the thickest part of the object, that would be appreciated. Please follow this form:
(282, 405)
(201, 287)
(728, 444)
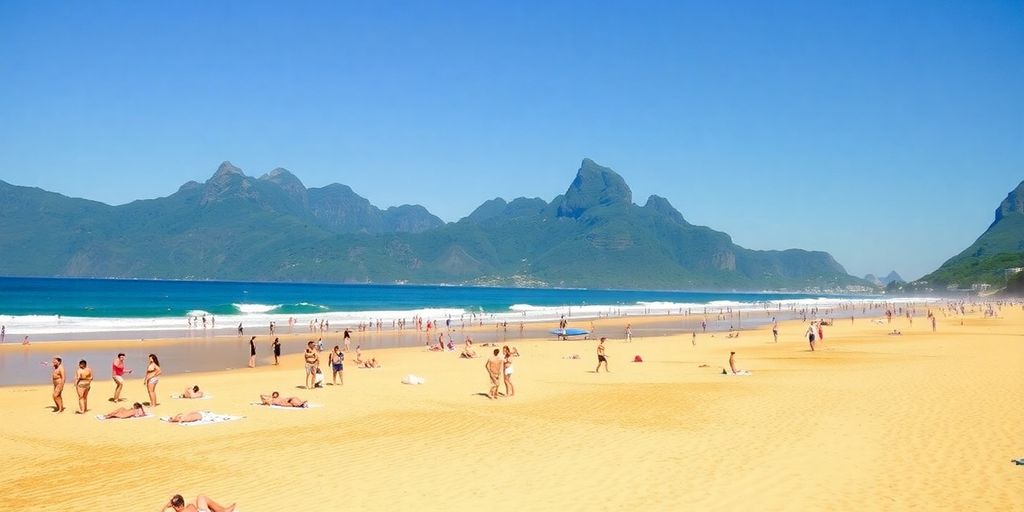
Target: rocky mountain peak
(1014, 203)
(594, 186)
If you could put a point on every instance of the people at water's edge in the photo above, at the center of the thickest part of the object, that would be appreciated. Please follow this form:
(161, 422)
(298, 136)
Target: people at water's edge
(117, 371)
(312, 361)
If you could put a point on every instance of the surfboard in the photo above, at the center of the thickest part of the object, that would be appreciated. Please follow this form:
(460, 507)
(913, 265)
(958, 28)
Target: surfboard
(569, 332)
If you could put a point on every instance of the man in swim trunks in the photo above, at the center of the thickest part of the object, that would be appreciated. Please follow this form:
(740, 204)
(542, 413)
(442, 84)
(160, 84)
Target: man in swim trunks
(277, 351)
(117, 371)
(337, 365)
(58, 377)
(495, 366)
(203, 504)
(274, 398)
(312, 364)
(601, 357)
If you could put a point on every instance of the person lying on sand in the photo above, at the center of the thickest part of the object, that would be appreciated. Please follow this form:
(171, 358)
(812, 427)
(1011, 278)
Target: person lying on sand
(371, 363)
(192, 392)
(274, 398)
(203, 504)
(186, 417)
(135, 411)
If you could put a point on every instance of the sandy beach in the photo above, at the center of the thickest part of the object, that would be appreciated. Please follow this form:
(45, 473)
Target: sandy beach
(870, 421)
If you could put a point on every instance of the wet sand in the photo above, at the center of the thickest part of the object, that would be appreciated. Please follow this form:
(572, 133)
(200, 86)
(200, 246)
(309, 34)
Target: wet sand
(924, 420)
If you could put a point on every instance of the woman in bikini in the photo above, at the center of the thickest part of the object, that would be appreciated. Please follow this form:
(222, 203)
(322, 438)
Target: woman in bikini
(83, 381)
(274, 398)
(152, 377)
(135, 411)
(510, 390)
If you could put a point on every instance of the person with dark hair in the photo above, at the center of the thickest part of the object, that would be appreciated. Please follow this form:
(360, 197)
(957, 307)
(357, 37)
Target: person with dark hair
(117, 371)
(83, 382)
(152, 378)
(192, 392)
(510, 390)
(274, 398)
(277, 351)
(252, 352)
(312, 361)
(494, 365)
(135, 411)
(58, 378)
(601, 357)
(337, 365)
(203, 504)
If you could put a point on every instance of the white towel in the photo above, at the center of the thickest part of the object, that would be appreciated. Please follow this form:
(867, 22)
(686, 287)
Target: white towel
(413, 379)
(209, 418)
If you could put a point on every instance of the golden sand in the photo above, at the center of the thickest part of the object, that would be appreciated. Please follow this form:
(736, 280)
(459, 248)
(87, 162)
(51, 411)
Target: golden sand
(926, 421)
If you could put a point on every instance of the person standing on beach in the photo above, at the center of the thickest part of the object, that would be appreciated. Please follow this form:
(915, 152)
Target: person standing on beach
(510, 390)
(240, 328)
(83, 382)
(3, 333)
(252, 352)
(117, 371)
(277, 351)
(810, 336)
(347, 338)
(58, 378)
(629, 332)
(775, 331)
(337, 366)
(732, 362)
(693, 338)
(601, 357)
(495, 366)
(312, 364)
(152, 378)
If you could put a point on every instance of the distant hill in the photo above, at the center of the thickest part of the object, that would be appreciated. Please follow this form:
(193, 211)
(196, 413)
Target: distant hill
(892, 277)
(999, 248)
(273, 228)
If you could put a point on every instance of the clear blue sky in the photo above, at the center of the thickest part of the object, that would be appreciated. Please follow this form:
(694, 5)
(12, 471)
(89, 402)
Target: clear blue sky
(883, 132)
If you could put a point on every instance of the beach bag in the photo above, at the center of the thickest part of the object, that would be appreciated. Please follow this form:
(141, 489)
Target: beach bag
(638, 359)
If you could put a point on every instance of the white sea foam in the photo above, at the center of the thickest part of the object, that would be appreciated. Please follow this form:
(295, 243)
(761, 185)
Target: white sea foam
(255, 308)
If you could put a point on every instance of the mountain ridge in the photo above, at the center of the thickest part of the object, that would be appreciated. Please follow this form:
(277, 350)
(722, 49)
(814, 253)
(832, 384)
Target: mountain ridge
(274, 228)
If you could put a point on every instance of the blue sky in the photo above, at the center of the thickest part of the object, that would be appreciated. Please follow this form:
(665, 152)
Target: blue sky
(885, 133)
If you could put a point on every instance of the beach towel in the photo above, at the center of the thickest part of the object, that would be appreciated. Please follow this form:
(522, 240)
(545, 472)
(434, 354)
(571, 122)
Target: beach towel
(177, 396)
(309, 405)
(413, 379)
(209, 418)
(103, 417)
(1019, 462)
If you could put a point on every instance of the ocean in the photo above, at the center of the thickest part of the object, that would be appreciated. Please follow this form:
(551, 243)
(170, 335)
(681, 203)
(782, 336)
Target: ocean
(48, 308)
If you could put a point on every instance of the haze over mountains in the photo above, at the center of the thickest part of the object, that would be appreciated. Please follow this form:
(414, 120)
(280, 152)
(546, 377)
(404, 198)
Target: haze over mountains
(272, 228)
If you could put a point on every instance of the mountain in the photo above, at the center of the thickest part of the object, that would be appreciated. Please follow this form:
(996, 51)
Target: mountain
(273, 228)
(999, 248)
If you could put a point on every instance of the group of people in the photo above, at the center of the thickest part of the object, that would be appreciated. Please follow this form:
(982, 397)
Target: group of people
(499, 366)
(84, 378)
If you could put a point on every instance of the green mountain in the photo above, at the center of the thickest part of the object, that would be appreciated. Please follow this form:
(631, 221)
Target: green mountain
(273, 228)
(999, 248)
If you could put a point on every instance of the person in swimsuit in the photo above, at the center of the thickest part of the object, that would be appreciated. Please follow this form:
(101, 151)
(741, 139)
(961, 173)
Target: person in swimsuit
(810, 336)
(337, 365)
(312, 364)
(275, 398)
(494, 366)
(135, 411)
(468, 352)
(186, 417)
(203, 504)
(252, 352)
(192, 392)
(510, 390)
(152, 378)
(277, 351)
(601, 357)
(83, 382)
(732, 362)
(117, 371)
(58, 376)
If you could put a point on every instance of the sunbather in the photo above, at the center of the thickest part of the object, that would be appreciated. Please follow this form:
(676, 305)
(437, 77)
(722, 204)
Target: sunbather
(186, 417)
(203, 504)
(275, 398)
(192, 392)
(135, 411)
